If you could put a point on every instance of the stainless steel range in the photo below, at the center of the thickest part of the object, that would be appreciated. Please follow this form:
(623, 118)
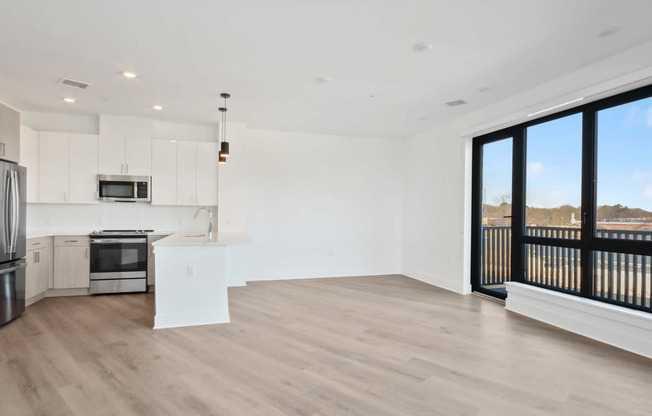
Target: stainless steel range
(118, 261)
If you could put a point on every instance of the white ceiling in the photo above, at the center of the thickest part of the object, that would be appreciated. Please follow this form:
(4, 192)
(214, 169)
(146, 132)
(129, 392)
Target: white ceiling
(267, 54)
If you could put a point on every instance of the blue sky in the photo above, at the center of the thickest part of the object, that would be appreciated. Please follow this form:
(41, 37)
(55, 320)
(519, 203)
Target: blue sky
(554, 160)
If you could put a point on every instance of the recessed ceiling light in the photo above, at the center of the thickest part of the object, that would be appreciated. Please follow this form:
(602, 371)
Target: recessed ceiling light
(157, 107)
(69, 100)
(323, 80)
(422, 47)
(129, 74)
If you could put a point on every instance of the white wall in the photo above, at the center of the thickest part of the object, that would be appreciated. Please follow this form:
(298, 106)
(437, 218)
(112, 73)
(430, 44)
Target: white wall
(434, 209)
(66, 123)
(316, 205)
(437, 205)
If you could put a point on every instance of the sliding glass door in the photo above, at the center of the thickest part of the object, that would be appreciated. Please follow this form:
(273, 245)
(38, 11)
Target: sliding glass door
(496, 225)
(565, 203)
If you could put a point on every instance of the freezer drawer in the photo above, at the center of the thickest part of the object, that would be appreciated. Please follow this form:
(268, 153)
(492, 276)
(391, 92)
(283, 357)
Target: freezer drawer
(12, 290)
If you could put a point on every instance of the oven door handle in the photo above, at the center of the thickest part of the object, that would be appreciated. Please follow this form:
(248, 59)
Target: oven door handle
(118, 240)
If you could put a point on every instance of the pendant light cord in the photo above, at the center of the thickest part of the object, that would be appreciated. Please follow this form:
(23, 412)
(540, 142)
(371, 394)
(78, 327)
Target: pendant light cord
(224, 116)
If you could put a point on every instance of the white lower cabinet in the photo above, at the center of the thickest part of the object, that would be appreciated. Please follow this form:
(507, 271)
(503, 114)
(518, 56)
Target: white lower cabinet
(38, 276)
(71, 262)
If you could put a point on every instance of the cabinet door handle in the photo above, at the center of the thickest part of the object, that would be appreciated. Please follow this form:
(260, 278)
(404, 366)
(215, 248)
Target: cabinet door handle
(35, 244)
(126, 168)
(72, 241)
(65, 196)
(36, 257)
(87, 252)
(122, 168)
(2, 148)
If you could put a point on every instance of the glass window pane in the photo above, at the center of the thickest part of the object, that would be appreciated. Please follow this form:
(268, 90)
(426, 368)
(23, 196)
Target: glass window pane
(624, 172)
(496, 214)
(554, 178)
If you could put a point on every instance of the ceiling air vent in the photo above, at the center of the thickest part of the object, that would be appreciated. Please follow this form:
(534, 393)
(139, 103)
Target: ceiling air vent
(455, 103)
(74, 84)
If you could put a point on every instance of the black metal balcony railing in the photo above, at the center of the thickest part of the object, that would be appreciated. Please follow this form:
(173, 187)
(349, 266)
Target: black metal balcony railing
(623, 278)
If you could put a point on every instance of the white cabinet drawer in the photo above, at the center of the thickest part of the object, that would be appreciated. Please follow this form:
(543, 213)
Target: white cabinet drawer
(38, 243)
(71, 240)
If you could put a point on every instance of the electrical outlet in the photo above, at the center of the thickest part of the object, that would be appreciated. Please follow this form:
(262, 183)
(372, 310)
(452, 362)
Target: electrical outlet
(190, 271)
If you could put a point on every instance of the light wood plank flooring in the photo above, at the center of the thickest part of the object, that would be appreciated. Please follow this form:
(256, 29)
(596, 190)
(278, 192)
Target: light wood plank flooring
(377, 346)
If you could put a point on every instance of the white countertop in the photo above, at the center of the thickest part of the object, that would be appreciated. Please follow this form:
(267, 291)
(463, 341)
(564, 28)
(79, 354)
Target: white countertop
(49, 233)
(189, 238)
(86, 232)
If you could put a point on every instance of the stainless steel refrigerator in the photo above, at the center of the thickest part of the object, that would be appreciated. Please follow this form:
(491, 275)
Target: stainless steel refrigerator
(12, 241)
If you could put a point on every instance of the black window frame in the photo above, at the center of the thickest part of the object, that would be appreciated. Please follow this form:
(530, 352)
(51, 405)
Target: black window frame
(589, 242)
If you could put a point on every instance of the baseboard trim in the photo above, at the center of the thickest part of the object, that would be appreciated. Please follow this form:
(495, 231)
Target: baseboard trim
(35, 299)
(174, 320)
(432, 280)
(275, 276)
(52, 293)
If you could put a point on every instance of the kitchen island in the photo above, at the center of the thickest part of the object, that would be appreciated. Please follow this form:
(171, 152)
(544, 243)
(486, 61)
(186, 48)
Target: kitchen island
(191, 280)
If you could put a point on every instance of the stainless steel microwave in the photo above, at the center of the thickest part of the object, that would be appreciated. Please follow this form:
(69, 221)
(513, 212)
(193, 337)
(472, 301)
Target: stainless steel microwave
(124, 188)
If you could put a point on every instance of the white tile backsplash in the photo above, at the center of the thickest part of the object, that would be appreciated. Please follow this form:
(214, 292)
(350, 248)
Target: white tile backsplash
(107, 215)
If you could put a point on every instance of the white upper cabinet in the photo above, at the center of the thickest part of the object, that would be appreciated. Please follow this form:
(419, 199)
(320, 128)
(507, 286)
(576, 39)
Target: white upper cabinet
(186, 173)
(67, 168)
(9, 134)
(125, 145)
(54, 161)
(111, 155)
(138, 155)
(83, 168)
(29, 157)
(164, 172)
(207, 155)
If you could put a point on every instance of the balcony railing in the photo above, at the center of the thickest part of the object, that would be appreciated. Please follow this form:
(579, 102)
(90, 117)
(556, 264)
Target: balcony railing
(617, 277)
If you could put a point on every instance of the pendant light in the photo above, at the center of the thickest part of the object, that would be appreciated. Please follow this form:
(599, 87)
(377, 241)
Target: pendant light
(224, 145)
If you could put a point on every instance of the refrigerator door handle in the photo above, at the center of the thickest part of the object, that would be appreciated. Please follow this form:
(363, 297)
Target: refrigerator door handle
(14, 268)
(7, 225)
(15, 213)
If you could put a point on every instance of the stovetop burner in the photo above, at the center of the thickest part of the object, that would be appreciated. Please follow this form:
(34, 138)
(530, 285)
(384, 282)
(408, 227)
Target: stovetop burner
(121, 232)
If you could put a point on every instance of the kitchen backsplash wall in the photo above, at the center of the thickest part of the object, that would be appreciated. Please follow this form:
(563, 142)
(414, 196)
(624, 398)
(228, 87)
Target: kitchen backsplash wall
(86, 218)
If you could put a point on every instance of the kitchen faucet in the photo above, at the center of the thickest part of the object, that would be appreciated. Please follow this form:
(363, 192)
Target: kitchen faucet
(210, 220)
